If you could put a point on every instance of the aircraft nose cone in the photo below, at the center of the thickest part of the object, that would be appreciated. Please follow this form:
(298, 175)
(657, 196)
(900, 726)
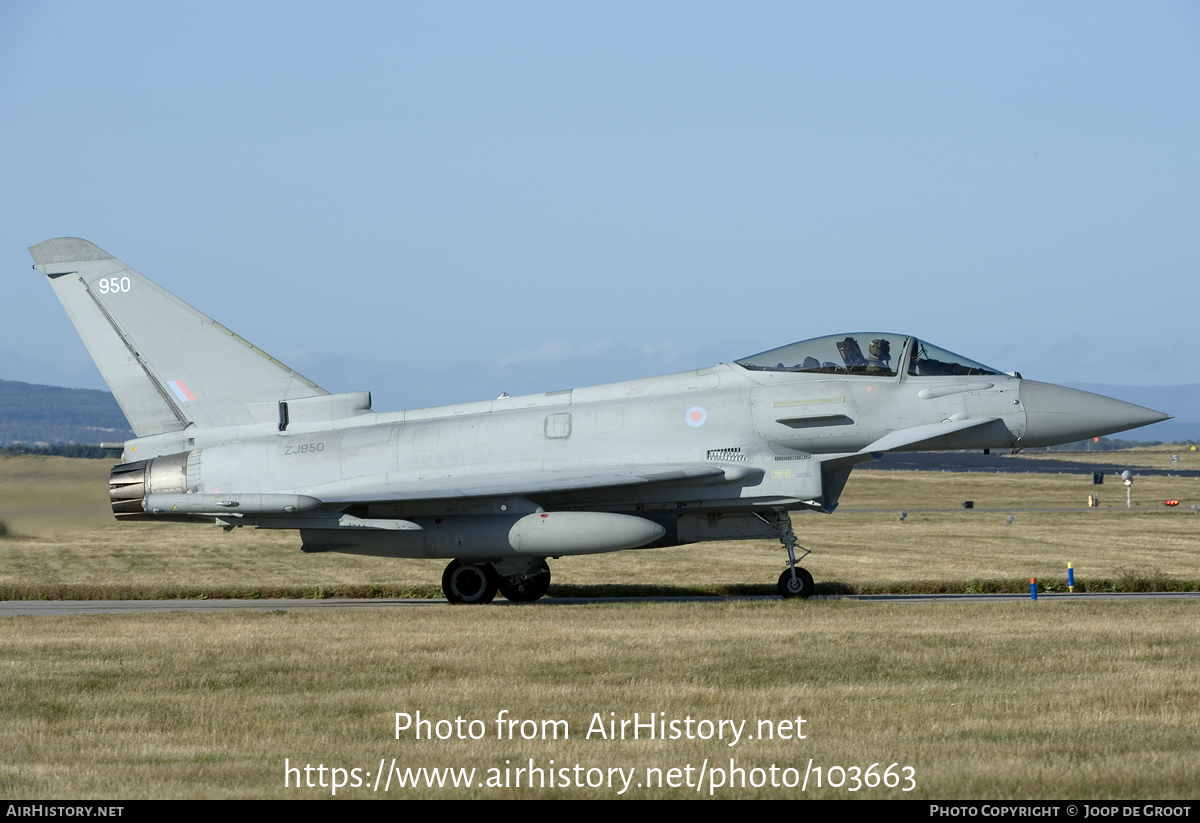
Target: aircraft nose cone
(1056, 414)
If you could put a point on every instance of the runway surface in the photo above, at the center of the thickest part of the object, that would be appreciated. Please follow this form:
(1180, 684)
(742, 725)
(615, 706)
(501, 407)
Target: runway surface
(13, 608)
(1138, 508)
(1008, 464)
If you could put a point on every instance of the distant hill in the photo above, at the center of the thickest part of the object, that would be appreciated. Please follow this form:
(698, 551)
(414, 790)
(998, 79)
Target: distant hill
(30, 413)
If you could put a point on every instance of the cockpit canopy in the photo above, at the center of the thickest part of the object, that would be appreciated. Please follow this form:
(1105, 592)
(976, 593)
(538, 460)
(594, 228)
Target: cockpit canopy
(869, 353)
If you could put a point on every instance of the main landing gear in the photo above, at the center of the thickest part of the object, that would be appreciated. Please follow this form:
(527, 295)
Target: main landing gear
(526, 587)
(478, 583)
(795, 581)
(470, 583)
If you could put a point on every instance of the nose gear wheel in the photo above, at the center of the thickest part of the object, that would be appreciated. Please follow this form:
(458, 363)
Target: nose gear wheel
(798, 585)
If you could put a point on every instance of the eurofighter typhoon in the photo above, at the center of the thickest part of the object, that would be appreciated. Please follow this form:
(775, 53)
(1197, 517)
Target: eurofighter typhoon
(227, 434)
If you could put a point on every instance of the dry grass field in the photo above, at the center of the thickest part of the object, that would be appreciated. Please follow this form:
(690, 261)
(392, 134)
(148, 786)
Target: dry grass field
(1081, 699)
(1084, 700)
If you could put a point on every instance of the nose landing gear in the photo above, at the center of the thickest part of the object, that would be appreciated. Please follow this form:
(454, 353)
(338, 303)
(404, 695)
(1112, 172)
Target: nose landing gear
(795, 581)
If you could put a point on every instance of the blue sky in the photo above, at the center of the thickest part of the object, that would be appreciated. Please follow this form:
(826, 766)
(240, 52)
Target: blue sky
(443, 201)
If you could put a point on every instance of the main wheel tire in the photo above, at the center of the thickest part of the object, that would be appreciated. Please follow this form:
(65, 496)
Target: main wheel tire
(468, 583)
(802, 586)
(526, 588)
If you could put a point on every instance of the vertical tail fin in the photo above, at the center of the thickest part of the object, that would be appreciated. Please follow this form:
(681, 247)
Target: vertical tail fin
(168, 365)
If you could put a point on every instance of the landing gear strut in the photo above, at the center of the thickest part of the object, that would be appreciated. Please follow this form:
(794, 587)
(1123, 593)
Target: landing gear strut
(469, 583)
(795, 581)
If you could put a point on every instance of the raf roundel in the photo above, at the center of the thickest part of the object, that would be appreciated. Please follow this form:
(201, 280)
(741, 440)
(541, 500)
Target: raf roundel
(695, 417)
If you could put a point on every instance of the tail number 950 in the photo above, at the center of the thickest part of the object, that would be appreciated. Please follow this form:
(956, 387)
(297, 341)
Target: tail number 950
(113, 285)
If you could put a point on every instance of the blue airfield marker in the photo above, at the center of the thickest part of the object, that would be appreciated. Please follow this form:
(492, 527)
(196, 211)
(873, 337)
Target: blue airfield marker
(1033, 588)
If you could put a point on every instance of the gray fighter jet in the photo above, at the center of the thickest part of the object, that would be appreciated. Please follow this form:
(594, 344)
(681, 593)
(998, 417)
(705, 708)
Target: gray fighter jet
(229, 435)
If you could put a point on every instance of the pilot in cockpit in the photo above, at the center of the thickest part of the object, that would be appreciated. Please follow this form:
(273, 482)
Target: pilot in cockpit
(881, 356)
